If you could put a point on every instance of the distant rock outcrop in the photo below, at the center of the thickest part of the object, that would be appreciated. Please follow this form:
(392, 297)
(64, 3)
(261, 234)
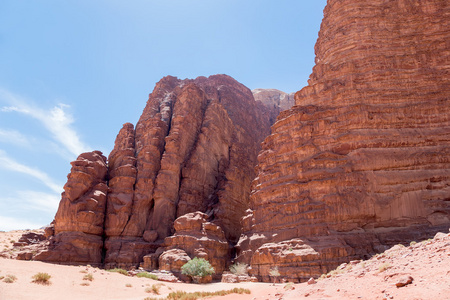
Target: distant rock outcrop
(362, 161)
(274, 99)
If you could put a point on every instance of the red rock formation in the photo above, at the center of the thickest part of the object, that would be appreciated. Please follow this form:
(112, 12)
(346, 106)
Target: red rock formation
(193, 149)
(363, 160)
(78, 225)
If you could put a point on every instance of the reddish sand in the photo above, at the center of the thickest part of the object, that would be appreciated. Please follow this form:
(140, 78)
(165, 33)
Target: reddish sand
(428, 263)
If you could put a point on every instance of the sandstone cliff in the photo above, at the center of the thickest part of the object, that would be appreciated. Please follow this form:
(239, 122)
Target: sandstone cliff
(193, 150)
(362, 161)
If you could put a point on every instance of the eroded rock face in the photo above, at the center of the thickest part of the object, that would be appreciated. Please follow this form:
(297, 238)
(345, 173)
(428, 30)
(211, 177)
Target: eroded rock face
(362, 161)
(78, 227)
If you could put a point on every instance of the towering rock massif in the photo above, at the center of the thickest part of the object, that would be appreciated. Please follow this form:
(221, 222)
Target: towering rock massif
(363, 159)
(193, 150)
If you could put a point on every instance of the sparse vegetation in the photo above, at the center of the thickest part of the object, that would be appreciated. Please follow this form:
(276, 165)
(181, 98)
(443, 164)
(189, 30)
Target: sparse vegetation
(85, 284)
(42, 278)
(147, 275)
(197, 267)
(239, 269)
(89, 277)
(83, 271)
(155, 289)
(181, 295)
(274, 273)
(384, 267)
(128, 285)
(118, 270)
(289, 286)
(9, 278)
(412, 243)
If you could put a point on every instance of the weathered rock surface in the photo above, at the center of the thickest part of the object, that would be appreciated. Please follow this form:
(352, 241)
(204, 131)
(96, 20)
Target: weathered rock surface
(194, 237)
(78, 226)
(274, 99)
(362, 162)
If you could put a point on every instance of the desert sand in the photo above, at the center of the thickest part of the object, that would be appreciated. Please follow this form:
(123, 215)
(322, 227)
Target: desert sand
(427, 262)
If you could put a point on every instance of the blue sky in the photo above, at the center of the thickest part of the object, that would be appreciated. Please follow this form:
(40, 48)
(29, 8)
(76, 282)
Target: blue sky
(72, 72)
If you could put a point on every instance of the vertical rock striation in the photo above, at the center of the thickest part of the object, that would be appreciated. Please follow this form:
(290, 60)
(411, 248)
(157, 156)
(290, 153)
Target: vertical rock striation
(362, 161)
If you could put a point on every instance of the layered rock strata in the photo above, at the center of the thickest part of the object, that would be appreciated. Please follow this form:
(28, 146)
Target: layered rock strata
(362, 161)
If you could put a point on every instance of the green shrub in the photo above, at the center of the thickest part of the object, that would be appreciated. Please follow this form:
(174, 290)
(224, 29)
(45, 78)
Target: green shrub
(197, 267)
(42, 278)
(238, 269)
(147, 275)
(118, 270)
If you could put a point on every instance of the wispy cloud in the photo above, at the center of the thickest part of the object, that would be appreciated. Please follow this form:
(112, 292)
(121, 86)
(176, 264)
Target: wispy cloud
(13, 137)
(33, 201)
(9, 163)
(56, 120)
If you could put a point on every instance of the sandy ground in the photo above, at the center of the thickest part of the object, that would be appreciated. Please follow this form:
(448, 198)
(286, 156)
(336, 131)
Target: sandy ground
(427, 262)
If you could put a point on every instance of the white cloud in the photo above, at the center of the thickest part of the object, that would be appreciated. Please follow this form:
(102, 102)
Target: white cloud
(13, 137)
(32, 201)
(8, 223)
(56, 120)
(8, 163)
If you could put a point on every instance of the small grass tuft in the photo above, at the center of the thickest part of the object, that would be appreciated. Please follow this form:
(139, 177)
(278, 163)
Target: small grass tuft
(89, 277)
(10, 278)
(42, 278)
(85, 284)
(128, 285)
(147, 275)
(384, 267)
(118, 270)
(239, 269)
